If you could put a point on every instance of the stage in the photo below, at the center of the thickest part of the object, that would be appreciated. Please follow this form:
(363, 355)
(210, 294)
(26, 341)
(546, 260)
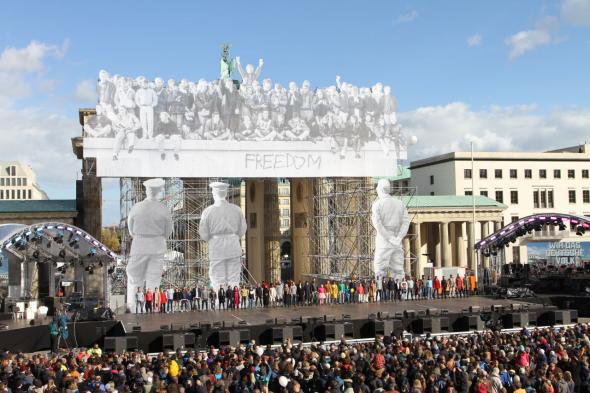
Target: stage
(260, 324)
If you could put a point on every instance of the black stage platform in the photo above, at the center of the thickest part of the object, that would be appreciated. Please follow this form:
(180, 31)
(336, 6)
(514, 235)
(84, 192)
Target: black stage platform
(200, 329)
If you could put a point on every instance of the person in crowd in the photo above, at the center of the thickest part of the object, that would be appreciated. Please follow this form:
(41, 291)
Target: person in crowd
(139, 301)
(212, 298)
(149, 298)
(244, 291)
(221, 297)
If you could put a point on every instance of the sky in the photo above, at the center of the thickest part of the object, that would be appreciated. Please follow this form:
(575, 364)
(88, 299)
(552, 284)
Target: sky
(505, 75)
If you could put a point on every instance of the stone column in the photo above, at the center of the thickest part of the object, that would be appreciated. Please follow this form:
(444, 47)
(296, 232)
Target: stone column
(460, 244)
(446, 246)
(497, 226)
(485, 232)
(438, 246)
(407, 255)
(470, 243)
(417, 246)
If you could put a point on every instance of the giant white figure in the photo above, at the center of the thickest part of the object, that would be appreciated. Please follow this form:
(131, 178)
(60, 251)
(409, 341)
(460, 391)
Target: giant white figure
(391, 221)
(149, 224)
(222, 224)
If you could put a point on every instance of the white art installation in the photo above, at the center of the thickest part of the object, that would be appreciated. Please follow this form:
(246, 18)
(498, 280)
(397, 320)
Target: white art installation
(222, 225)
(149, 224)
(391, 221)
(345, 115)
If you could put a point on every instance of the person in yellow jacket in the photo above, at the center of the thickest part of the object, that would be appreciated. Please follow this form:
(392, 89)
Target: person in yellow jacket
(95, 351)
(173, 368)
(334, 292)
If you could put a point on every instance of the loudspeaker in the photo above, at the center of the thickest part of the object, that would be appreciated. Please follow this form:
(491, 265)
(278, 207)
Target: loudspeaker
(383, 328)
(466, 323)
(229, 337)
(515, 320)
(334, 331)
(295, 333)
(430, 325)
(120, 344)
(557, 317)
(176, 327)
(179, 340)
(474, 309)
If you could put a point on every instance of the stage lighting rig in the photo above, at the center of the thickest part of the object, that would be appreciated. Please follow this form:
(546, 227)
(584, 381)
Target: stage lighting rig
(59, 238)
(580, 230)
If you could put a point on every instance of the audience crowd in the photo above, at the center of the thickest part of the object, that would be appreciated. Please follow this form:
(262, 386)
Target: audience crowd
(545, 360)
(288, 294)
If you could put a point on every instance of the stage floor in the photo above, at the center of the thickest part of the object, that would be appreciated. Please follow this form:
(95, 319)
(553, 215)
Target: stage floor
(258, 316)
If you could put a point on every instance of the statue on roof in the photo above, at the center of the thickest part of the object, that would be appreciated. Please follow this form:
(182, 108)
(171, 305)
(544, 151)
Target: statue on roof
(227, 65)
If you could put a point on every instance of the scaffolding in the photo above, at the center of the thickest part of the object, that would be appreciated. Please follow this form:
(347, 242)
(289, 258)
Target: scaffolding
(341, 236)
(186, 261)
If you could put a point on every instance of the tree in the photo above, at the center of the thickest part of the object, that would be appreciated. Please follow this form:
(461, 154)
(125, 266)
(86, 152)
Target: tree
(110, 238)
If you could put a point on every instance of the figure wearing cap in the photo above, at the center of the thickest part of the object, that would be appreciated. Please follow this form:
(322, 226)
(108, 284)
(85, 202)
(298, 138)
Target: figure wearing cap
(391, 221)
(149, 224)
(222, 225)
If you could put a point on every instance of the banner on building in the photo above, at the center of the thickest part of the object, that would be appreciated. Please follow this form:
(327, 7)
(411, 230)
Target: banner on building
(559, 253)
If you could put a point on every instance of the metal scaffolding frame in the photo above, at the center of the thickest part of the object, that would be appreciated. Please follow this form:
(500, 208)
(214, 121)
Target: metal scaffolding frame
(186, 262)
(342, 238)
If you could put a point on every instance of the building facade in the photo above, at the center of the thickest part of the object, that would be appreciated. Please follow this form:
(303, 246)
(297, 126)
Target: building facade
(18, 182)
(526, 182)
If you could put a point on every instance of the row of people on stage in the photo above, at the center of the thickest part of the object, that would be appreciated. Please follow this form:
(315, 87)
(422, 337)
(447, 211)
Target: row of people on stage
(345, 115)
(287, 294)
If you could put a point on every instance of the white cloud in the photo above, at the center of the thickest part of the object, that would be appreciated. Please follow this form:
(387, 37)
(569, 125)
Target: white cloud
(31, 57)
(442, 129)
(86, 91)
(576, 12)
(30, 134)
(406, 18)
(474, 40)
(527, 40)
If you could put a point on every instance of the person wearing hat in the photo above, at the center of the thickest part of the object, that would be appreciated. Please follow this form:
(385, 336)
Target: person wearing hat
(222, 225)
(391, 221)
(149, 224)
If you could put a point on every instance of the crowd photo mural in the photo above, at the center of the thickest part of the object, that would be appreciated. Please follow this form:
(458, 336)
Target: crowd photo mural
(343, 116)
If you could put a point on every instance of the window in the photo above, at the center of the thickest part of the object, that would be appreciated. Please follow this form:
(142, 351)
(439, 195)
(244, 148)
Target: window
(513, 173)
(285, 212)
(431, 179)
(13, 181)
(467, 173)
(528, 173)
(483, 173)
(284, 191)
(550, 199)
(500, 196)
(498, 173)
(513, 219)
(30, 194)
(542, 173)
(557, 173)
(19, 182)
(17, 194)
(25, 194)
(543, 199)
(13, 171)
(1, 194)
(584, 173)
(483, 193)
(571, 196)
(12, 194)
(571, 173)
(431, 193)
(536, 199)
(24, 181)
(284, 201)
(1, 181)
(468, 192)
(586, 196)
(514, 197)
(285, 223)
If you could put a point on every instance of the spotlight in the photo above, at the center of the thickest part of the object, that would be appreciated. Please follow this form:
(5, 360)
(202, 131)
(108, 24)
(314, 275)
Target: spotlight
(92, 252)
(36, 254)
(70, 236)
(49, 244)
(100, 263)
(54, 263)
(580, 230)
(562, 226)
(62, 254)
(494, 252)
(59, 239)
(110, 271)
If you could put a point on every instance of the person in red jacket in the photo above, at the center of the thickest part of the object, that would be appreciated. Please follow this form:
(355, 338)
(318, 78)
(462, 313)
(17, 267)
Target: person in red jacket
(237, 297)
(163, 300)
(437, 287)
(459, 286)
(149, 301)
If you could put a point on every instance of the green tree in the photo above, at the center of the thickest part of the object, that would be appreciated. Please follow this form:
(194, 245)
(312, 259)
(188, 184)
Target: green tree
(110, 238)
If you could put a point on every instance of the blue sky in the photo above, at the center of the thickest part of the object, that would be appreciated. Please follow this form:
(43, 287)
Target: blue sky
(505, 74)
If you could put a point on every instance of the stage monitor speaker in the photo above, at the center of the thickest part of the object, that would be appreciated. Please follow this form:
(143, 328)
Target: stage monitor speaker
(136, 329)
(229, 337)
(334, 331)
(515, 320)
(120, 344)
(474, 309)
(177, 327)
(172, 341)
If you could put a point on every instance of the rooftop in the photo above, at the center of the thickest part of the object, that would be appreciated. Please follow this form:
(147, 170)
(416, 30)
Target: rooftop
(38, 206)
(574, 153)
(452, 201)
